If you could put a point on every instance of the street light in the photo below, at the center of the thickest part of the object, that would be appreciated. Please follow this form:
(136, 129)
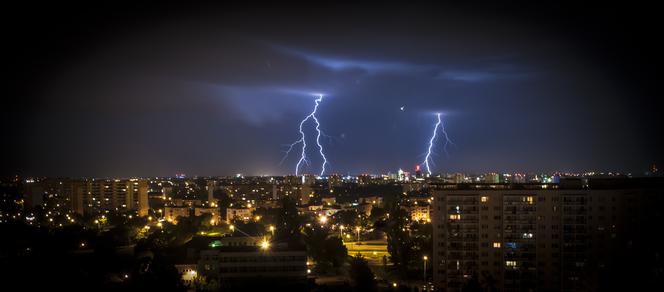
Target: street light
(425, 258)
(358, 233)
(265, 244)
(272, 230)
(323, 219)
(341, 231)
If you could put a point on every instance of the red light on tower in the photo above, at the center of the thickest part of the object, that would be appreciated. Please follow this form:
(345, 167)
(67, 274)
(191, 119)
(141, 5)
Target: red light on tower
(418, 171)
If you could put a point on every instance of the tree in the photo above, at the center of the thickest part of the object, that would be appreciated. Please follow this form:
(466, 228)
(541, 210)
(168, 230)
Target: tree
(347, 217)
(314, 239)
(377, 213)
(422, 240)
(335, 251)
(399, 244)
(224, 200)
(361, 276)
(289, 221)
(159, 275)
(328, 252)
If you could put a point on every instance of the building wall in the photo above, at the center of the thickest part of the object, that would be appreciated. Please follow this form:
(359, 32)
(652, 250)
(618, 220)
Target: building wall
(238, 213)
(228, 265)
(539, 239)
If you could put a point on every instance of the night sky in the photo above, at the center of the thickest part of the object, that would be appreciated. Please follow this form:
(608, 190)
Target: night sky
(148, 90)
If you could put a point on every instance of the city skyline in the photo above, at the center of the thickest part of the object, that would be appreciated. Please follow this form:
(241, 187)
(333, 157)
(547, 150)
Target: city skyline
(142, 92)
(454, 147)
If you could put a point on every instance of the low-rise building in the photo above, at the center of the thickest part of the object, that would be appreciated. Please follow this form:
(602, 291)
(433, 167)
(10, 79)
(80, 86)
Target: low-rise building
(243, 214)
(235, 266)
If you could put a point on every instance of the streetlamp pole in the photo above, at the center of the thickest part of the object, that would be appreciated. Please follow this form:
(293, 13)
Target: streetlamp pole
(358, 234)
(425, 268)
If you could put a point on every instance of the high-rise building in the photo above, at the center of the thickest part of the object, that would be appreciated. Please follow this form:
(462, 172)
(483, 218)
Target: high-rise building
(364, 179)
(540, 237)
(99, 195)
(308, 179)
(211, 187)
(334, 180)
(459, 178)
(492, 178)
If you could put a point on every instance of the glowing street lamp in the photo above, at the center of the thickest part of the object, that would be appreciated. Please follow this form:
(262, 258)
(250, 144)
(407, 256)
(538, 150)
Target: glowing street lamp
(265, 244)
(322, 219)
(358, 233)
(272, 229)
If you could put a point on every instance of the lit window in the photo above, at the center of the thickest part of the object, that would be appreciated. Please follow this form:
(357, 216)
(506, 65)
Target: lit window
(484, 199)
(530, 200)
(496, 244)
(455, 216)
(511, 264)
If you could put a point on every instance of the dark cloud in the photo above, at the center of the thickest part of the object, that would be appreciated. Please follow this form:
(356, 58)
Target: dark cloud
(133, 90)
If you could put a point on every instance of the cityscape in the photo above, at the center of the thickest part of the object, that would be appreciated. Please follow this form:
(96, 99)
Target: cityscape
(340, 147)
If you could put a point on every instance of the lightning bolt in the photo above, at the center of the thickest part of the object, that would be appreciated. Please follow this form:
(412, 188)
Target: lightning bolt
(441, 126)
(302, 140)
(318, 134)
(447, 138)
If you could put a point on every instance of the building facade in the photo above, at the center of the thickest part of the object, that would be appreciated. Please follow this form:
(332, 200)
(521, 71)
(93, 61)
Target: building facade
(236, 267)
(540, 237)
(98, 195)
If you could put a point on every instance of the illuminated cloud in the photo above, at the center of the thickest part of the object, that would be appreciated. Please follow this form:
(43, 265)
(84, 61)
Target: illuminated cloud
(259, 105)
(480, 72)
(368, 66)
(484, 73)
